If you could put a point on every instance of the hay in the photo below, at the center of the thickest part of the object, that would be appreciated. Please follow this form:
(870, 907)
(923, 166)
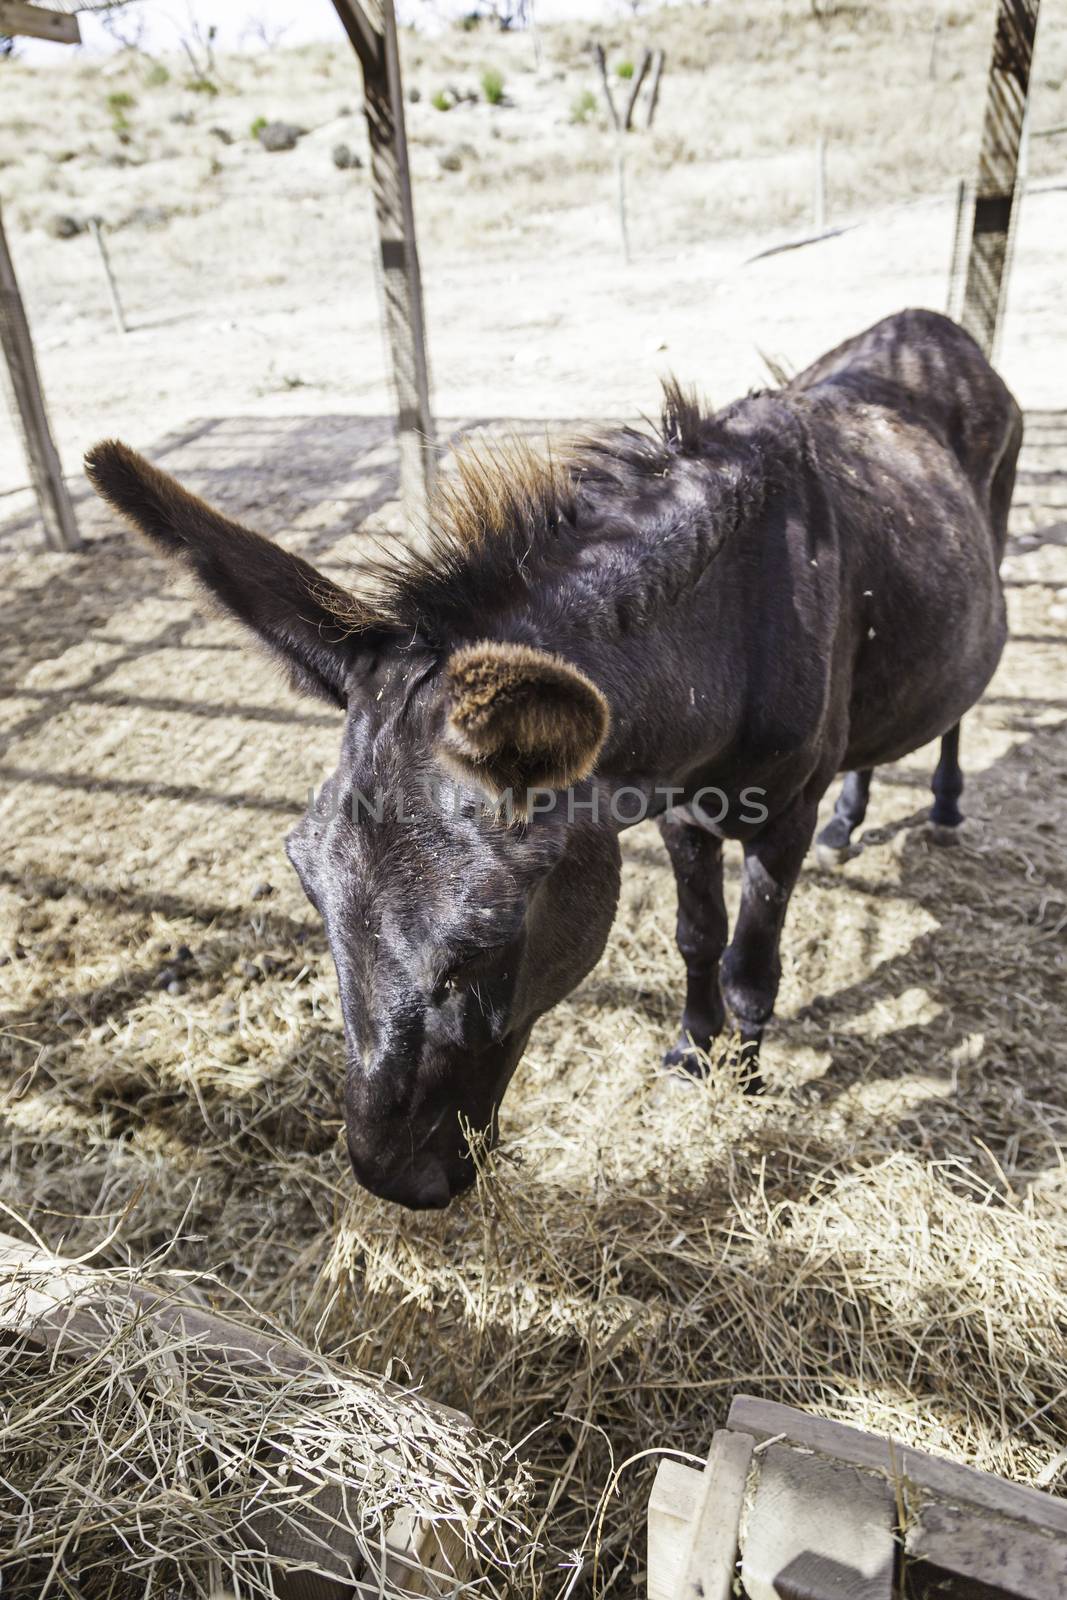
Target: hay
(151, 1446)
(881, 1238)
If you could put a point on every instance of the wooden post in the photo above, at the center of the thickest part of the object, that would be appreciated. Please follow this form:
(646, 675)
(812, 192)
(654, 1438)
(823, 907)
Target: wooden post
(954, 297)
(995, 193)
(818, 209)
(46, 474)
(112, 286)
(371, 27)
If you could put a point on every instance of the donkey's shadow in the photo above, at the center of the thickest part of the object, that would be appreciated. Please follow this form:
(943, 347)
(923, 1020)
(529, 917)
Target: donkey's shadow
(989, 967)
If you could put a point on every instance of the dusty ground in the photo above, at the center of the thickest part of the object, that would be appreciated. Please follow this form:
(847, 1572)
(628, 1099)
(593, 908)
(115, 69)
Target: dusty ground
(248, 278)
(882, 1236)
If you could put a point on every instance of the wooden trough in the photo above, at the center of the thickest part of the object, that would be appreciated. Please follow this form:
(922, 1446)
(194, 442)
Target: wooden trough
(816, 1510)
(49, 1304)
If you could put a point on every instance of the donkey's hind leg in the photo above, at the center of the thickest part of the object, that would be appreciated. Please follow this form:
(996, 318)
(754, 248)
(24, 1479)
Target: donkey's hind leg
(834, 843)
(947, 786)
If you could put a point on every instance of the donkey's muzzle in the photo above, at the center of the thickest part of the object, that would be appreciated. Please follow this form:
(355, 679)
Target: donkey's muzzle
(423, 1184)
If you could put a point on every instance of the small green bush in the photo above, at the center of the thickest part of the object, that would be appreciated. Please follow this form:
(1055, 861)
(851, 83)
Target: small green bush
(118, 103)
(156, 76)
(257, 126)
(202, 86)
(625, 69)
(493, 86)
(442, 100)
(583, 106)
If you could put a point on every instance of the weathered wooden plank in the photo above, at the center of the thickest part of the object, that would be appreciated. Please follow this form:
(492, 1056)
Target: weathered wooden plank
(818, 1529)
(998, 168)
(672, 1512)
(42, 459)
(709, 1572)
(693, 1520)
(948, 1480)
(373, 35)
(998, 1559)
(35, 22)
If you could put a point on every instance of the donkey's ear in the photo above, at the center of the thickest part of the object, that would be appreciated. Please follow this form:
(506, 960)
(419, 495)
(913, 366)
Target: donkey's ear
(521, 719)
(314, 627)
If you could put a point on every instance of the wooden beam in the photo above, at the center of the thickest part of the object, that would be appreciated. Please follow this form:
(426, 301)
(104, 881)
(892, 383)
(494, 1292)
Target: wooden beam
(977, 1554)
(694, 1520)
(16, 17)
(709, 1571)
(923, 1474)
(364, 34)
(371, 27)
(998, 167)
(673, 1508)
(46, 474)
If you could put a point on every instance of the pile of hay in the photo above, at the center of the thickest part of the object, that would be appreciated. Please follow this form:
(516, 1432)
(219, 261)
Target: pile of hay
(880, 1238)
(152, 1447)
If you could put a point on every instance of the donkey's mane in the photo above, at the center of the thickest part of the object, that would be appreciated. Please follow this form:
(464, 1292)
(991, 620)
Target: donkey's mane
(509, 511)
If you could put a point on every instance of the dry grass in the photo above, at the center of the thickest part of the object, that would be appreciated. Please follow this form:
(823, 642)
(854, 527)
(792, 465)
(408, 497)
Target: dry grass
(144, 1457)
(881, 1238)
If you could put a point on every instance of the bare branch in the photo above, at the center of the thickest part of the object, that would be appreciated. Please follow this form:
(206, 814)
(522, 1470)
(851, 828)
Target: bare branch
(653, 93)
(635, 89)
(601, 61)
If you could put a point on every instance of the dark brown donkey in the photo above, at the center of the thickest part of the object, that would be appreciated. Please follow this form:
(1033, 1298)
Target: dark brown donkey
(704, 625)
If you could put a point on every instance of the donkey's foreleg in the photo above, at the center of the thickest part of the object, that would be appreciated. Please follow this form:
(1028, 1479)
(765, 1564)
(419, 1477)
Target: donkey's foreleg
(947, 785)
(696, 856)
(834, 842)
(751, 967)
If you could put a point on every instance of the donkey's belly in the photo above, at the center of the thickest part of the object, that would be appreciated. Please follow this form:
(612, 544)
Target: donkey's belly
(923, 681)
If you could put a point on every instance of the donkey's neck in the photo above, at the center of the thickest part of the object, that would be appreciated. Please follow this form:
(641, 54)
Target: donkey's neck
(632, 604)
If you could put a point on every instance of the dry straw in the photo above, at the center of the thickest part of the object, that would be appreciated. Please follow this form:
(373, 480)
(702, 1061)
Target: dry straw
(151, 1446)
(880, 1238)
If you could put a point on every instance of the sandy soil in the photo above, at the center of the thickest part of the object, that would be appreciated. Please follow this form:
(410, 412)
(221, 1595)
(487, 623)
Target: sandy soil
(170, 1024)
(248, 276)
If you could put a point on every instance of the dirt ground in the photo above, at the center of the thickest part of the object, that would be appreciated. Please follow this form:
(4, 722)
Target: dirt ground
(881, 1237)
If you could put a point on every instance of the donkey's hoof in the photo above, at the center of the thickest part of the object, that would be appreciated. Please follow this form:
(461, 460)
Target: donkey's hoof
(831, 856)
(942, 834)
(688, 1059)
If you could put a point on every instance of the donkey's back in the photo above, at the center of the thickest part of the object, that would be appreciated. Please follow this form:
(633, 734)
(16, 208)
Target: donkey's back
(915, 439)
(932, 375)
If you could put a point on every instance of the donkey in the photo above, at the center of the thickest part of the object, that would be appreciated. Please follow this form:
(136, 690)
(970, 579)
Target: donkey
(704, 624)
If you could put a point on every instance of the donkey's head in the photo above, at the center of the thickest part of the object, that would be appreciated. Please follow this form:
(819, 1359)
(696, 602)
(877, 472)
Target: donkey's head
(453, 921)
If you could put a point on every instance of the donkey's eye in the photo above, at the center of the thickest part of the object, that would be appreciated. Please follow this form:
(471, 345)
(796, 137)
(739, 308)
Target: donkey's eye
(463, 973)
